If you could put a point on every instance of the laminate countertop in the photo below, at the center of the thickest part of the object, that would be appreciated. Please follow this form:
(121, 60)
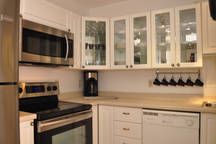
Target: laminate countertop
(24, 116)
(188, 103)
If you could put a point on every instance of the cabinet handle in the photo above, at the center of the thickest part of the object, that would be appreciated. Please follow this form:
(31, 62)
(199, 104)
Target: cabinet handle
(83, 66)
(126, 66)
(32, 123)
(126, 129)
(178, 64)
(172, 65)
(131, 66)
(126, 113)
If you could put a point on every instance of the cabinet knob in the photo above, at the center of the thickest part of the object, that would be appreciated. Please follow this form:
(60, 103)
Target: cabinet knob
(126, 129)
(173, 65)
(178, 64)
(131, 66)
(83, 66)
(126, 66)
(126, 113)
(32, 123)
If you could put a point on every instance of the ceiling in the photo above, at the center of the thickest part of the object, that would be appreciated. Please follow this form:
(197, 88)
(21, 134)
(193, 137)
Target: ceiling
(88, 3)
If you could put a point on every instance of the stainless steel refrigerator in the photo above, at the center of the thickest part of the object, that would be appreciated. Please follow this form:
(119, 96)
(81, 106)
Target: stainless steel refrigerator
(9, 27)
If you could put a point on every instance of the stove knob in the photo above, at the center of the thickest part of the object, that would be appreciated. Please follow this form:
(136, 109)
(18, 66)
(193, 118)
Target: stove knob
(49, 88)
(20, 90)
(54, 88)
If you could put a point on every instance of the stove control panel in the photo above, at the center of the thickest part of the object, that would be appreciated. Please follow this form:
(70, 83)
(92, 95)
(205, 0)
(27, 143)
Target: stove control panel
(36, 89)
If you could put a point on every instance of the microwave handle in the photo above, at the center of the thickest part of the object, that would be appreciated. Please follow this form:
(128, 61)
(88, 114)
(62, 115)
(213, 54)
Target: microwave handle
(67, 45)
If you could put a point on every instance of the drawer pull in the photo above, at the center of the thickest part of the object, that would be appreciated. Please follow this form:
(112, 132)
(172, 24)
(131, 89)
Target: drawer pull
(126, 129)
(126, 113)
(32, 123)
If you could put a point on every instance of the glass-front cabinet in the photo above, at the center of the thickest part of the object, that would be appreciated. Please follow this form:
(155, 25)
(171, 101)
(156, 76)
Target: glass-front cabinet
(120, 44)
(188, 36)
(163, 42)
(95, 43)
(176, 37)
(140, 41)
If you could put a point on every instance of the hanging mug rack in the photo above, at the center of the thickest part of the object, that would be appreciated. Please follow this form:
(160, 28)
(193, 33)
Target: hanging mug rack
(181, 82)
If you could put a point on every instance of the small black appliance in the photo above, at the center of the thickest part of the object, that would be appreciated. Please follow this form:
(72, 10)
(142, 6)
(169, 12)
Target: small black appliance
(90, 83)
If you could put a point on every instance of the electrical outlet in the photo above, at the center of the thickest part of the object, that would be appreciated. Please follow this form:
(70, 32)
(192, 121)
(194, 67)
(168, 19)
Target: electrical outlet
(150, 82)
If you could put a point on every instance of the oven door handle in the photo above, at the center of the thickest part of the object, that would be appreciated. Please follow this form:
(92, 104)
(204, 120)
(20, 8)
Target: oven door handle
(67, 46)
(63, 121)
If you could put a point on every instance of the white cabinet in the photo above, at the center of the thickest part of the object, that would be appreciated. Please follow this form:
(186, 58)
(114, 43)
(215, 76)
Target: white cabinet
(140, 38)
(106, 125)
(120, 45)
(209, 30)
(26, 132)
(176, 37)
(43, 12)
(208, 128)
(95, 43)
(131, 42)
(120, 125)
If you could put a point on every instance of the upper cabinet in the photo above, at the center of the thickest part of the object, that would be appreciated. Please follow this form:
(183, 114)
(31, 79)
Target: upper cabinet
(176, 37)
(188, 36)
(120, 43)
(209, 30)
(140, 38)
(46, 13)
(95, 43)
(163, 38)
(130, 42)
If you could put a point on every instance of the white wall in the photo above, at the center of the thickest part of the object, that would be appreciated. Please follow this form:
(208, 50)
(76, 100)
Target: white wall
(140, 81)
(135, 6)
(69, 79)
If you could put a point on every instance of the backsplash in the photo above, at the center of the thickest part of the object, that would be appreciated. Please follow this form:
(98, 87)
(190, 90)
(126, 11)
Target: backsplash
(69, 79)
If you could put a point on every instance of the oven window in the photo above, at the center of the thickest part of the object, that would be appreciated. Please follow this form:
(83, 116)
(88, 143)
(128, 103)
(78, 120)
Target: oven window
(75, 133)
(39, 43)
(74, 136)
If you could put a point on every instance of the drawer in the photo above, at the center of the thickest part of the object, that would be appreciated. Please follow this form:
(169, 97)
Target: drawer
(124, 140)
(126, 129)
(128, 114)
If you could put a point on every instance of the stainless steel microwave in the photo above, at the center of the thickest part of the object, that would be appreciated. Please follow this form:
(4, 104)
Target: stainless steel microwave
(40, 44)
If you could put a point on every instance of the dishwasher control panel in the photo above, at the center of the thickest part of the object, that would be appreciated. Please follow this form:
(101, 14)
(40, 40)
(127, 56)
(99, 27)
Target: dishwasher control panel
(170, 118)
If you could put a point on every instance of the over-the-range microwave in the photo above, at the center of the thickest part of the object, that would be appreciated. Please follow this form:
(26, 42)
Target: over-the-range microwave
(41, 44)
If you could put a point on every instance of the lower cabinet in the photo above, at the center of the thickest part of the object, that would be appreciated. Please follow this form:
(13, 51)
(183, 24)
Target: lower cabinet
(120, 125)
(26, 132)
(208, 128)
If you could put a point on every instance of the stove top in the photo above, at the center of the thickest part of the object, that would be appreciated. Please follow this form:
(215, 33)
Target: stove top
(41, 98)
(49, 107)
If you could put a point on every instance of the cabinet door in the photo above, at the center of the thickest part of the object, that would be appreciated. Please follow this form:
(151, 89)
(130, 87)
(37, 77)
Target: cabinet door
(44, 12)
(106, 124)
(26, 133)
(120, 43)
(163, 38)
(209, 30)
(208, 128)
(188, 36)
(140, 41)
(95, 43)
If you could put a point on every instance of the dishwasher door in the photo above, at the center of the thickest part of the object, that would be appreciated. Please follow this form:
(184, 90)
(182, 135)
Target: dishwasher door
(165, 127)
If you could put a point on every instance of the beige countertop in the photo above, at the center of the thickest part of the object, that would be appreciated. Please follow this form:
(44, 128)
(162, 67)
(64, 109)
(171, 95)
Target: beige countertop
(190, 103)
(24, 116)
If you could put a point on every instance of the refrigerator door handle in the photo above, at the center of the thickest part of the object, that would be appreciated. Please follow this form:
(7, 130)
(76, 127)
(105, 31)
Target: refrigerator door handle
(5, 18)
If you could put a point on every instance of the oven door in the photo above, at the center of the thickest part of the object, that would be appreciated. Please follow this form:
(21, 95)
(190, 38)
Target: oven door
(46, 45)
(75, 129)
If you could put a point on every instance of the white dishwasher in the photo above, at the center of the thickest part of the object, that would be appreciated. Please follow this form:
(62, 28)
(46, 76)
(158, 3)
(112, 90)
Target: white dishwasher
(168, 127)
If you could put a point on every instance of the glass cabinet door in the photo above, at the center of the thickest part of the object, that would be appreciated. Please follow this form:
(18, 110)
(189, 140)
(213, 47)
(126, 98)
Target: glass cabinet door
(141, 47)
(188, 43)
(119, 38)
(163, 38)
(94, 43)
